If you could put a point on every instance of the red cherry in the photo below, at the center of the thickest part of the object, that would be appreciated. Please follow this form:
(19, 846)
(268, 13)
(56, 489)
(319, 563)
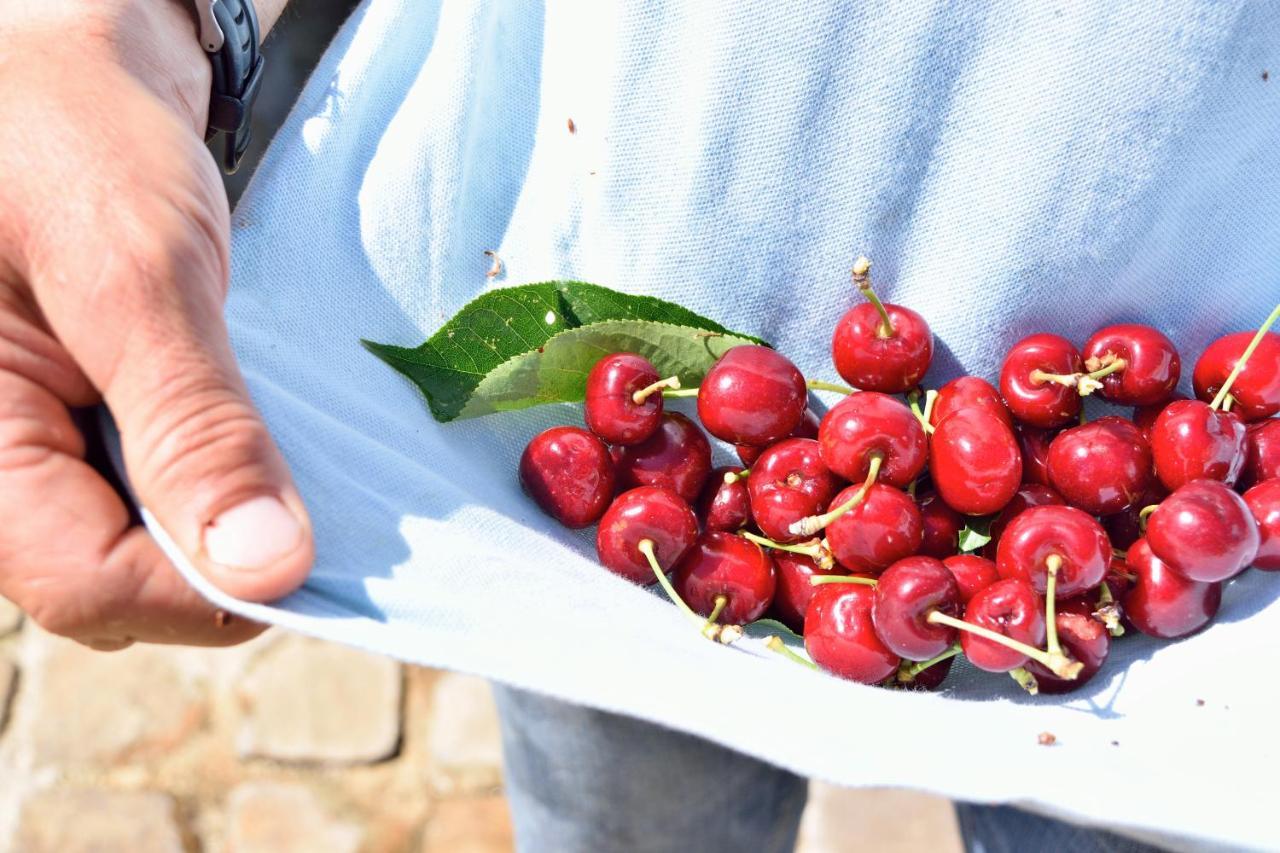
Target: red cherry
(612, 410)
(1262, 453)
(1009, 607)
(752, 395)
(1083, 639)
(906, 594)
(930, 678)
(1034, 381)
(1042, 533)
(972, 573)
(1257, 389)
(1144, 417)
(789, 482)
(1125, 528)
(1204, 532)
(724, 505)
(862, 425)
(1028, 496)
(657, 515)
(721, 564)
(1151, 366)
(676, 457)
(975, 462)
(1190, 441)
(881, 347)
(1163, 603)
(1101, 467)
(1263, 501)
(942, 526)
(1034, 444)
(884, 528)
(794, 592)
(840, 637)
(968, 392)
(807, 428)
(568, 473)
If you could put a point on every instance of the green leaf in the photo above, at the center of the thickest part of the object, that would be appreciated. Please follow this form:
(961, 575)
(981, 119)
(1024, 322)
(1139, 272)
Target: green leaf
(975, 534)
(501, 325)
(763, 629)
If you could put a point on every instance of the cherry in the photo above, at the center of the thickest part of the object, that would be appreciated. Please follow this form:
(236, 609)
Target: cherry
(968, 392)
(942, 526)
(1126, 527)
(676, 457)
(879, 346)
(1009, 607)
(1262, 453)
(568, 473)
(724, 503)
(882, 528)
(1263, 501)
(752, 395)
(840, 636)
(624, 398)
(807, 428)
(1084, 639)
(1256, 389)
(1163, 603)
(726, 576)
(975, 462)
(906, 596)
(1040, 381)
(787, 483)
(794, 591)
(647, 514)
(1028, 495)
(972, 573)
(1144, 417)
(1034, 444)
(1045, 536)
(926, 675)
(867, 424)
(1204, 532)
(1191, 441)
(1145, 364)
(1101, 467)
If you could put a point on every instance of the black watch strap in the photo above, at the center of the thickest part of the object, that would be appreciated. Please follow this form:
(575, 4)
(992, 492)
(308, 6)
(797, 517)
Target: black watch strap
(229, 34)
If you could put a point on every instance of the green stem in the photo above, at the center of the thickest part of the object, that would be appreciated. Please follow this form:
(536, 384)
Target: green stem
(1088, 383)
(1059, 665)
(1244, 357)
(1025, 680)
(1052, 564)
(775, 644)
(1107, 612)
(811, 524)
(822, 580)
(682, 392)
(930, 397)
(730, 477)
(819, 385)
(646, 547)
(915, 669)
(1144, 514)
(812, 549)
(862, 280)
(671, 382)
(721, 601)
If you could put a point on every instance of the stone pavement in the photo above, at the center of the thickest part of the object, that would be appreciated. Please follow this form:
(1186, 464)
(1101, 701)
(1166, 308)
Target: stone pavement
(288, 744)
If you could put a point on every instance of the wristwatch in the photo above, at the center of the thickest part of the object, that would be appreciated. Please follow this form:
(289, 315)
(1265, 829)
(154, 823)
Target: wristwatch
(229, 34)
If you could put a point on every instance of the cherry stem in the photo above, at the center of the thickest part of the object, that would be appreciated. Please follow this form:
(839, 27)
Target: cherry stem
(923, 416)
(930, 397)
(909, 673)
(1107, 613)
(820, 385)
(1244, 357)
(862, 280)
(1070, 380)
(730, 477)
(812, 549)
(1088, 383)
(1060, 666)
(1228, 402)
(1052, 564)
(1116, 552)
(681, 392)
(775, 644)
(1025, 680)
(646, 547)
(822, 580)
(721, 601)
(1144, 514)
(672, 382)
(811, 524)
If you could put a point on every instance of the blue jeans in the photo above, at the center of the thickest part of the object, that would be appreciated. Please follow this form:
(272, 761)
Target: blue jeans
(586, 781)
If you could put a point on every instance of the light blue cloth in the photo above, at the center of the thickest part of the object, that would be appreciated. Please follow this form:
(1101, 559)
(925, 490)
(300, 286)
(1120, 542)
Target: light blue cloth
(1008, 167)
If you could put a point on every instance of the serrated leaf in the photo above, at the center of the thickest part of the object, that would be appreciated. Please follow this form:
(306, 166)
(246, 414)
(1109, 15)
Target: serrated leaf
(500, 325)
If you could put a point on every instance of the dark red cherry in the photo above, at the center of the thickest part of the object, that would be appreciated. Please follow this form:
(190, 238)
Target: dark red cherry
(1257, 389)
(1083, 639)
(1190, 441)
(1263, 501)
(1151, 366)
(1028, 385)
(807, 428)
(611, 409)
(1029, 495)
(1144, 417)
(1034, 444)
(723, 505)
(972, 573)
(883, 528)
(868, 423)
(942, 526)
(1262, 453)
(676, 457)
(1125, 528)
(722, 564)
(930, 678)
(658, 515)
(1102, 467)
(975, 462)
(1075, 538)
(1163, 603)
(752, 395)
(1204, 532)
(1009, 607)
(840, 637)
(877, 347)
(905, 595)
(794, 590)
(568, 473)
(968, 392)
(789, 482)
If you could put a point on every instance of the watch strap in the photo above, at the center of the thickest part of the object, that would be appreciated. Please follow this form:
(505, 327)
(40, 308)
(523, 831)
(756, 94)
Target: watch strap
(229, 33)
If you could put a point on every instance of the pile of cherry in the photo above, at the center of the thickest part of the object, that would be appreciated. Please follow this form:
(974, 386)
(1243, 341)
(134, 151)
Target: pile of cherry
(848, 530)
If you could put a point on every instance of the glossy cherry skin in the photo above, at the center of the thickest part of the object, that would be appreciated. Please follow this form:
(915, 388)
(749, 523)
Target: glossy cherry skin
(890, 365)
(1204, 531)
(1083, 639)
(972, 573)
(840, 637)
(1262, 453)
(611, 411)
(867, 423)
(1190, 441)
(721, 563)
(1076, 537)
(1152, 365)
(1163, 603)
(1102, 467)
(968, 392)
(724, 506)
(788, 482)
(1009, 607)
(882, 529)
(1257, 388)
(1034, 444)
(807, 428)
(906, 593)
(568, 473)
(676, 457)
(942, 526)
(1041, 404)
(650, 513)
(1263, 501)
(794, 591)
(752, 395)
(1029, 495)
(975, 462)
(1144, 417)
